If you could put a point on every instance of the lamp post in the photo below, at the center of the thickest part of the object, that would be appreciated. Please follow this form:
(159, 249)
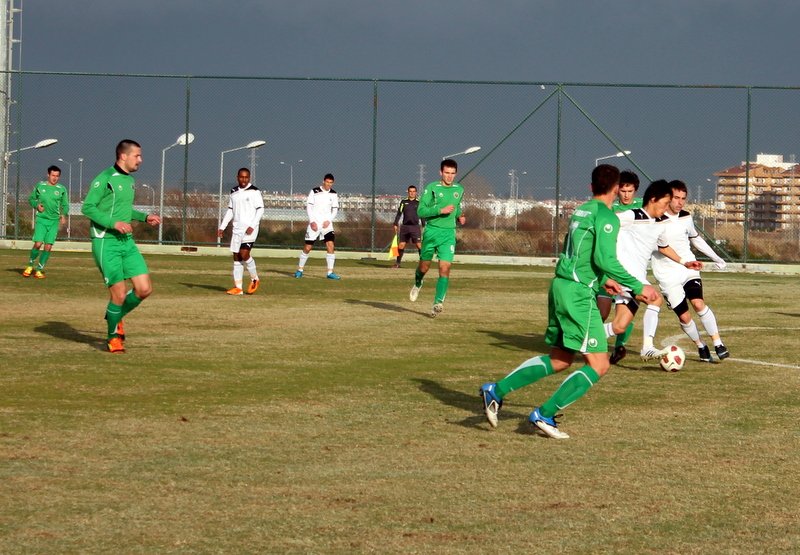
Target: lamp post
(291, 192)
(514, 193)
(69, 194)
(617, 155)
(152, 196)
(44, 143)
(251, 145)
(80, 176)
(183, 140)
(470, 150)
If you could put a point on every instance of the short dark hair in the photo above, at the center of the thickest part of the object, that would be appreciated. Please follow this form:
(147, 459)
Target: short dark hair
(656, 191)
(328, 176)
(53, 169)
(448, 163)
(629, 177)
(412, 186)
(125, 145)
(240, 170)
(604, 177)
(679, 185)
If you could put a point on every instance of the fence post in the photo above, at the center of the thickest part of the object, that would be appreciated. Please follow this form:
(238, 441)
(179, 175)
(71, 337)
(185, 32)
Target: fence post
(186, 165)
(747, 180)
(558, 176)
(374, 161)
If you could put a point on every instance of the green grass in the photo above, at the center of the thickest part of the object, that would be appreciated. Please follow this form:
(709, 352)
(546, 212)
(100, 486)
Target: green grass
(337, 417)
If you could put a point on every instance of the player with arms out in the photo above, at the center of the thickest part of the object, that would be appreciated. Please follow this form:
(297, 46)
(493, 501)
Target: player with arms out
(407, 224)
(682, 286)
(245, 208)
(322, 207)
(51, 202)
(587, 262)
(109, 207)
(440, 207)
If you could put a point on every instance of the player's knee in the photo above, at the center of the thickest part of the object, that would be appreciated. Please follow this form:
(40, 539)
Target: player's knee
(143, 290)
(601, 367)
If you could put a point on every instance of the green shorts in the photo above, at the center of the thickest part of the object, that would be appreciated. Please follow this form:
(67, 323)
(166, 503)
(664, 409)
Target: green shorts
(574, 321)
(45, 231)
(118, 258)
(441, 242)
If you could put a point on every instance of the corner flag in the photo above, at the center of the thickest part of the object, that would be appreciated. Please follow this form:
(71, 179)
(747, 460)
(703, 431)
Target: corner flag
(394, 252)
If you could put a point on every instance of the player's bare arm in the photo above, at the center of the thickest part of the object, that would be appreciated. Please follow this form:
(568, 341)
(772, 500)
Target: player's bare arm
(153, 219)
(670, 253)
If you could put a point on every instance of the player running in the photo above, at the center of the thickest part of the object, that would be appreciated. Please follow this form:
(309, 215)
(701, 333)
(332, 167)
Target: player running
(440, 207)
(51, 202)
(109, 206)
(587, 262)
(680, 285)
(245, 208)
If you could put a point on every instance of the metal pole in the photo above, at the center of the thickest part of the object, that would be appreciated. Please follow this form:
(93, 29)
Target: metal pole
(374, 158)
(747, 180)
(69, 209)
(161, 195)
(558, 176)
(291, 196)
(219, 210)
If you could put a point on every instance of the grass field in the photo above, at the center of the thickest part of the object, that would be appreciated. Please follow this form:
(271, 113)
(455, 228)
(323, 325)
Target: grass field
(337, 417)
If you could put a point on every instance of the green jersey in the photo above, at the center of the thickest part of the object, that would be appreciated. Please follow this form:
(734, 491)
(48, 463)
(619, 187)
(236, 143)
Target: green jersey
(110, 200)
(617, 206)
(590, 250)
(54, 198)
(436, 196)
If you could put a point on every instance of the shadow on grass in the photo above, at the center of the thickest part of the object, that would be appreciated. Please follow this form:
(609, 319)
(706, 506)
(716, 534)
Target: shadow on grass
(62, 330)
(529, 342)
(17, 271)
(203, 286)
(790, 314)
(385, 306)
(376, 262)
(465, 402)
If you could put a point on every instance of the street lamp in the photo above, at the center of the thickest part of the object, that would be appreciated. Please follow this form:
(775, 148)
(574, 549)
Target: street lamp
(183, 140)
(251, 145)
(80, 176)
(152, 196)
(69, 194)
(44, 143)
(291, 192)
(617, 155)
(470, 150)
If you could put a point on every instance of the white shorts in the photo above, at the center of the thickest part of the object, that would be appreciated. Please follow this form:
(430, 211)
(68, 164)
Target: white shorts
(237, 239)
(321, 232)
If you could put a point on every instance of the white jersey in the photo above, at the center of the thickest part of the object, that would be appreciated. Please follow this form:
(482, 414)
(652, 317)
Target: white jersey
(681, 235)
(245, 208)
(322, 206)
(639, 235)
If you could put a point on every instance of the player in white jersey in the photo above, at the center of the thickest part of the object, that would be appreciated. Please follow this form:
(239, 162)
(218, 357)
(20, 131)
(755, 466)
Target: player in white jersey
(640, 233)
(245, 208)
(322, 206)
(680, 285)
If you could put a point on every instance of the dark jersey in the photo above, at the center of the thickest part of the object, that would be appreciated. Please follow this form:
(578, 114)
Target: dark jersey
(408, 212)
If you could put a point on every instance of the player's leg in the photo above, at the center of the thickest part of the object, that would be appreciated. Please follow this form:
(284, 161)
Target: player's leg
(675, 296)
(39, 232)
(108, 257)
(445, 251)
(694, 292)
(330, 255)
(425, 259)
(401, 246)
(246, 257)
(311, 238)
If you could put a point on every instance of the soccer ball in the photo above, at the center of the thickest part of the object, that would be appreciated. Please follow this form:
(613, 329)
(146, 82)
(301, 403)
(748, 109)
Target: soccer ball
(672, 360)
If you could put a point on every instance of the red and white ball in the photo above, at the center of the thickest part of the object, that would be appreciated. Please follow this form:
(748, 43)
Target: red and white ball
(673, 359)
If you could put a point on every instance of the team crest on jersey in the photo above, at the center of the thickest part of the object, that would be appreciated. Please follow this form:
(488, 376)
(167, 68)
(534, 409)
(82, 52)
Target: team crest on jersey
(593, 342)
(608, 228)
(455, 195)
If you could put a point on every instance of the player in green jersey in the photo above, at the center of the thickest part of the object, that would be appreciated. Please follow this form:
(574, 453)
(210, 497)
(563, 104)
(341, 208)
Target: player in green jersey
(440, 207)
(109, 206)
(587, 262)
(51, 202)
(626, 200)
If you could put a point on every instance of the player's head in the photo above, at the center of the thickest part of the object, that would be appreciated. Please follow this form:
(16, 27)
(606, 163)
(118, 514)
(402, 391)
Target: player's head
(657, 197)
(605, 178)
(679, 194)
(243, 177)
(412, 191)
(327, 181)
(129, 155)
(448, 170)
(53, 174)
(628, 185)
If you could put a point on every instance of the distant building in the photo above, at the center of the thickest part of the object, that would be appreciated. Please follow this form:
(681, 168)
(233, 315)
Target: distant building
(773, 191)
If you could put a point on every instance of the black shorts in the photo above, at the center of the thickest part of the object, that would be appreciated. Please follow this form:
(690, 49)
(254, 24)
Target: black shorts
(330, 236)
(409, 234)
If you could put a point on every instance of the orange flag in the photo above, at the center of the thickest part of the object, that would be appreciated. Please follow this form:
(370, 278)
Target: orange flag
(394, 252)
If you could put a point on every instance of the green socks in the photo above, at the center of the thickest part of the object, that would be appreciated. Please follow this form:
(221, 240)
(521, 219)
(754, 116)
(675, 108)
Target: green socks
(573, 388)
(441, 289)
(43, 259)
(530, 371)
(113, 316)
(418, 277)
(34, 255)
(131, 301)
(623, 338)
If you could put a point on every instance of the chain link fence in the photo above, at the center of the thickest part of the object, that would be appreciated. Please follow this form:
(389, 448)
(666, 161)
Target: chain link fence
(539, 143)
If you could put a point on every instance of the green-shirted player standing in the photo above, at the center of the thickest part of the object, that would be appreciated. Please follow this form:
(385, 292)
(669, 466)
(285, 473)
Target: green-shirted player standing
(440, 207)
(587, 262)
(51, 202)
(109, 206)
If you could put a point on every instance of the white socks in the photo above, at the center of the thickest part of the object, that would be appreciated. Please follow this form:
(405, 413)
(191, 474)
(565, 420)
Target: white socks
(238, 272)
(330, 259)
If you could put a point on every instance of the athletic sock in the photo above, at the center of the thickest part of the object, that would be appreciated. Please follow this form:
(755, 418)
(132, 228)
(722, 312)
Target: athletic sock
(650, 323)
(530, 371)
(609, 327)
(131, 301)
(33, 256)
(43, 259)
(622, 339)
(418, 277)
(113, 316)
(303, 259)
(238, 274)
(441, 289)
(690, 329)
(330, 259)
(573, 388)
(251, 268)
(709, 321)
(400, 255)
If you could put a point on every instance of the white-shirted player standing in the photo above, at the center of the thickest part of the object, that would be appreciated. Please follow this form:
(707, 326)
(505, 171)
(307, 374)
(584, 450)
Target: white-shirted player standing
(640, 233)
(322, 206)
(245, 208)
(680, 285)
